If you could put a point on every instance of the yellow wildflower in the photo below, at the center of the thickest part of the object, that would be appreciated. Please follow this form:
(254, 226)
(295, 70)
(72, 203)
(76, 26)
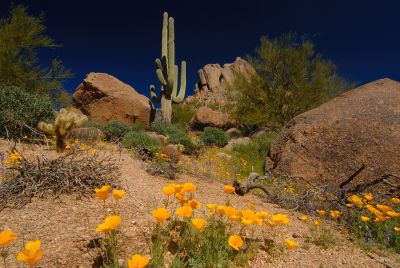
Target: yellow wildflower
(368, 197)
(169, 190)
(118, 194)
(356, 200)
(103, 192)
(396, 228)
(6, 237)
(291, 244)
(280, 219)
(193, 204)
(229, 189)
(373, 210)
(262, 214)
(335, 214)
(317, 222)
(381, 218)
(395, 200)
(189, 187)
(110, 223)
(198, 223)
(138, 261)
(235, 242)
(349, 205)
(384, 208)
(161, 214)
(31, 254)
(365, 218)
(393, 214)
(304, 218)
(321, 212)
(184, 211)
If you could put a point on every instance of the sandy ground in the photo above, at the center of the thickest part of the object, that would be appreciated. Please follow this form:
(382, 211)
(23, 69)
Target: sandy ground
(66, 225)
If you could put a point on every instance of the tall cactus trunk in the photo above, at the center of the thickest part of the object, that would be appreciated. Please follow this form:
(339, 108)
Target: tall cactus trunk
(166, 109)
(167, 72)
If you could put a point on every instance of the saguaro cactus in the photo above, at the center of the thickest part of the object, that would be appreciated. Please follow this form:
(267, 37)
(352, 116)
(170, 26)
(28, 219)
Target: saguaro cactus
(167, 72)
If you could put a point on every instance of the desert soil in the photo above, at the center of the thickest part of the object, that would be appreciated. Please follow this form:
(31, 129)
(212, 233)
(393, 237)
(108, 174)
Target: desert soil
(66, 225)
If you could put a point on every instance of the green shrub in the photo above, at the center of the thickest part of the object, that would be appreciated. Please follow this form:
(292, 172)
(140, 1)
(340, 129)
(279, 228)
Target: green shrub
(137, 128)
(140, 140)
(94, 124)
(21, 111)
(175, 133)
(255, 152)
(182, 113)
(214, 136)
(115, 130)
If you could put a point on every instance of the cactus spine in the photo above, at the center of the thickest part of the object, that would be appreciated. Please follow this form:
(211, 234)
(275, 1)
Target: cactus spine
(167, 72)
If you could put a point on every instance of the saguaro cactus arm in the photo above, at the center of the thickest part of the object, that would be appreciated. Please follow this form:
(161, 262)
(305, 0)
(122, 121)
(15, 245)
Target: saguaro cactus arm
(178, 98)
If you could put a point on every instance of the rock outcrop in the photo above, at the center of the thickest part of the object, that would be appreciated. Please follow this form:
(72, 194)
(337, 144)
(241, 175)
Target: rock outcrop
(104, 98)
(206, 117)
(214, 81)
(239, 141)
(329, 143)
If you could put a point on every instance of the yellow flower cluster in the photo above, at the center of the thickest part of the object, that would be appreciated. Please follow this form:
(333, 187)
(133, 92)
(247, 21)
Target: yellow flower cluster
(103, 193)
(112, 222)
(14, 159)
(381, 212)
(216, 163)
(30, 255)
(183, 194)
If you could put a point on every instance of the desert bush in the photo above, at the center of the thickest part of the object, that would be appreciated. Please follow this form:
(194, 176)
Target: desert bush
(137, 127)
(182, 113)
(214, 136)
(21, 112)
(115, 130)
(176, 134)
(79, 170)
(291, 79)
(141, 141)
(171, 153)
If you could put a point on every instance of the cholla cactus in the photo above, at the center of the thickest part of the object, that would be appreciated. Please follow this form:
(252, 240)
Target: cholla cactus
(66, 120)
(167, 72)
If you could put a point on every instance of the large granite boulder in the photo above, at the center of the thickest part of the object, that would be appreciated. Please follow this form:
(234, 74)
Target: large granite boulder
(104, 98)
(213, 87)
(206, 117)
(329, 143)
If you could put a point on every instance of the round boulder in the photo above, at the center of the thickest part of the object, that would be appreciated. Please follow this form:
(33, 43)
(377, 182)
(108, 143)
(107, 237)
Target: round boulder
(331, 142)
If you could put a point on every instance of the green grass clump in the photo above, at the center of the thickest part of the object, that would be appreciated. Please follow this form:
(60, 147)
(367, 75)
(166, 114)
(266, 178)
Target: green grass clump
(140, 140)
(21, 111)
(214, 136)
(115, 130)
(176, 134)
(255, 152)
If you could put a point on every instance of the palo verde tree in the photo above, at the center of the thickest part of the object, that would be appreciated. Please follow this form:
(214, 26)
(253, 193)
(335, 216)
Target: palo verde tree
(21, 36)
(291, 79)
(167, 72)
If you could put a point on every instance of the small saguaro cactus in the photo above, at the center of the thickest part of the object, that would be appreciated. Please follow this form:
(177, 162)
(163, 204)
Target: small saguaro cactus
(65, 121)
(167, 72)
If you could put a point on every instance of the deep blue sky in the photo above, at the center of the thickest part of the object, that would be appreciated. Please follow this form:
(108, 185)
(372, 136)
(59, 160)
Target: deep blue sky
(123, 38)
